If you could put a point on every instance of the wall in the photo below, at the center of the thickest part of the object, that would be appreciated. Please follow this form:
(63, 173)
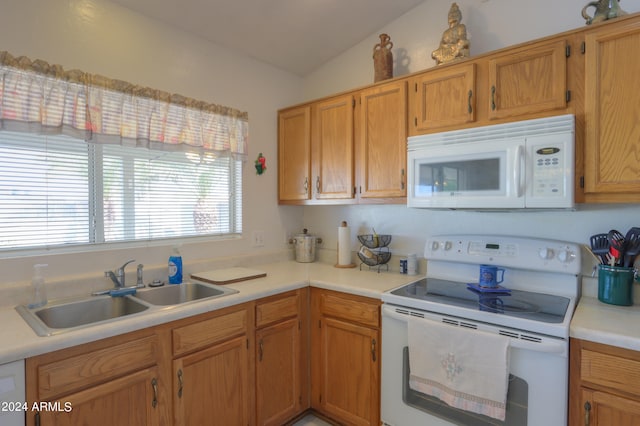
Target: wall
(101, 37)
(491, 24)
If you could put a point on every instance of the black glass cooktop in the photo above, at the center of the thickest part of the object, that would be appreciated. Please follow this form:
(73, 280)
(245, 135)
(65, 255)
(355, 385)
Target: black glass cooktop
(523, 304)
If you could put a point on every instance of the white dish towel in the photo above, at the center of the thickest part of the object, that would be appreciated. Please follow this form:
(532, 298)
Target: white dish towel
(467, 369)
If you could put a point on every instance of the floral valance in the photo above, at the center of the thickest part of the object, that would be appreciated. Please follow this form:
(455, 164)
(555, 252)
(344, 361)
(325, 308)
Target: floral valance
(38, 97)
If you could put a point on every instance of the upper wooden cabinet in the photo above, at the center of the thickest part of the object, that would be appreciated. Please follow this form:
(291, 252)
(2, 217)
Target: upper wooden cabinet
(332, 165)
(294, 154)
(442, 98)
(528, 80)
(612, 105)
(382, 143)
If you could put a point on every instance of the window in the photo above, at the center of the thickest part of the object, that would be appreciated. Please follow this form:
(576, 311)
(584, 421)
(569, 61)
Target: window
(60, 191)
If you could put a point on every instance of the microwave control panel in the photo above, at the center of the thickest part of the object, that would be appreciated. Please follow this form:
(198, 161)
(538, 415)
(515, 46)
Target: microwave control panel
(548, 164)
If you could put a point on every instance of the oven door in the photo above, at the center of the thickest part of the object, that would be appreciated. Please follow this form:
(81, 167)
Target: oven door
(538, 385)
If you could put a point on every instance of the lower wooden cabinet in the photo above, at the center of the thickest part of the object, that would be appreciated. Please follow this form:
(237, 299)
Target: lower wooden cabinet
(108, 382)
(345, 357)
(604, 387)
(282, 370)
(250, 364)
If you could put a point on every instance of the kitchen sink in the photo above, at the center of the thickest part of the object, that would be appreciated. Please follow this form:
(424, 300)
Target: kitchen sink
(57, 317)
(176, 294)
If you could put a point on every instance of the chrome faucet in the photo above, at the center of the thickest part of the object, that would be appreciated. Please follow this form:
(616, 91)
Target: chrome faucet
(118, 276)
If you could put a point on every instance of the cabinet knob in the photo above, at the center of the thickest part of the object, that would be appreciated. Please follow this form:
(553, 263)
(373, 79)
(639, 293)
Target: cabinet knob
(154, 385)
(587, 412)
(493, 98)
(180, 383)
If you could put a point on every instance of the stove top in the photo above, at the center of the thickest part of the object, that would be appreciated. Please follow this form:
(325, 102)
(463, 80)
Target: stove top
(527, 305)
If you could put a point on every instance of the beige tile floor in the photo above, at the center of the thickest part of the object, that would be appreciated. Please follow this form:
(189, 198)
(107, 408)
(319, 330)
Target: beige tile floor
(310, 420)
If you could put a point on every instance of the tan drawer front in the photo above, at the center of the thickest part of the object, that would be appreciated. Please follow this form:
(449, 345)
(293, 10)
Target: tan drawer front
(73, 373)
(208, 332)
(351, 309)
(277, 310)
(609, 370)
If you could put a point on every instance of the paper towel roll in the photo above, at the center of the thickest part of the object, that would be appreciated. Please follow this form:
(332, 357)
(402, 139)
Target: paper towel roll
(344, 245)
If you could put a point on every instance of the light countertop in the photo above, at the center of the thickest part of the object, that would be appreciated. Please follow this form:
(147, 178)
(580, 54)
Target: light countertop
(593, 320)
(600, 322)
(19, 341)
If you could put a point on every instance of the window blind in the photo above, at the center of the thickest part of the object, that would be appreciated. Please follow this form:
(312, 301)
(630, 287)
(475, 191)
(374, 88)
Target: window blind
(57, 190)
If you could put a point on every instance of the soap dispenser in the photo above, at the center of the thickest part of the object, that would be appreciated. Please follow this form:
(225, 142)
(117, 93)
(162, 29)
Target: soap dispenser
(175, 267)
(38, 292)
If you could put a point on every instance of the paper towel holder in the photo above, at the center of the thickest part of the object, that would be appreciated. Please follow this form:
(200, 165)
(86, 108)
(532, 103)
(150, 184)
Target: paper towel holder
(338, 265)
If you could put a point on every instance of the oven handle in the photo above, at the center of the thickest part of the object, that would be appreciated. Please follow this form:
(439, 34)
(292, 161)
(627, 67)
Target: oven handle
(548, 345)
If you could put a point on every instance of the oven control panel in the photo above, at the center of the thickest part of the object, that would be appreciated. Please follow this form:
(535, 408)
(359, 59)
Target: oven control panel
(517, 252)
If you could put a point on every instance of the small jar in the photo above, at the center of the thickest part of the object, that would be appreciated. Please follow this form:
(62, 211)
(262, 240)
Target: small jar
(412, 264)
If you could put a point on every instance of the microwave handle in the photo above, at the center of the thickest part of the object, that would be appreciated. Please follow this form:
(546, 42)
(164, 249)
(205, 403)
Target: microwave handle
(517, 171)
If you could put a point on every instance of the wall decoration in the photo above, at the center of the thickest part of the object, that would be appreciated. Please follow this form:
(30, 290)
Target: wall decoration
(383, 59)
(454, 44)
(261, 164)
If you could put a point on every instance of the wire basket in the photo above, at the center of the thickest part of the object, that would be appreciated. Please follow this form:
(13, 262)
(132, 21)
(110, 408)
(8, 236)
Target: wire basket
(374, 241)
(376, 259)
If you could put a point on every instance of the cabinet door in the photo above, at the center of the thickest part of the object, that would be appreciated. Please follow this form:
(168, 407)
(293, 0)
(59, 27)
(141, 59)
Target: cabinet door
(382, 156)
(332, 149)
(529, 80)
(349, 370)
(130, 400)
(294, 154)
(612, 147)
(211, 387)
(443, 98)
(605, 409)
(278, 373)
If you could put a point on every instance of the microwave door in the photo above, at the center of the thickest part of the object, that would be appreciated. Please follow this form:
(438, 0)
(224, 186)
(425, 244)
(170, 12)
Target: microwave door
(467, 175)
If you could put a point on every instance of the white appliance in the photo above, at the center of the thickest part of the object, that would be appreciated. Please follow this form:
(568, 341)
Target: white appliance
(541, 290)
(12, 394)
(526, 164)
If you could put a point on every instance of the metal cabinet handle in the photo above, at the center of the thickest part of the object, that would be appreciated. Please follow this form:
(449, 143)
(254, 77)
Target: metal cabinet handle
(373, 350)
(154, 384)
(402, 179)
(318, 184)
(180, 383)
(260, 351)
(306, 185)
(587, 412)
(470, 109)
(493, 98)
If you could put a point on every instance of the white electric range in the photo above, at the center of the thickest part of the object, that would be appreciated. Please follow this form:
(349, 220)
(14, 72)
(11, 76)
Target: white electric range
(533, 308)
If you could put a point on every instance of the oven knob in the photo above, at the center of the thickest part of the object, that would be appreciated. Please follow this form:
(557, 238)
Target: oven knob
(448, 245)
(435, 245)
(565, 256)
(545, 253)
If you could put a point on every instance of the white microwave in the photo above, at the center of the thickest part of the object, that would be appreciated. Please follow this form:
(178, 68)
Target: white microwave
(525, 164)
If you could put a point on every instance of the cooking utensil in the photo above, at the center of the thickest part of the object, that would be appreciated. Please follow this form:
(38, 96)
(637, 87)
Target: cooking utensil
(600, 246)
(632, 249)
(617, 245)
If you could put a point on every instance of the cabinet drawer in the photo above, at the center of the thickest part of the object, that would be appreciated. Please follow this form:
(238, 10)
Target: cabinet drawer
(276, 310)
(208, 332)
(351, 308)
(73, 373)
(611, 371)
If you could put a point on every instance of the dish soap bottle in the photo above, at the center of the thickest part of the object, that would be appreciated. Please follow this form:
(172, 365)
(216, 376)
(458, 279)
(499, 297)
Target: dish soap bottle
(38, 292)
(175, 267)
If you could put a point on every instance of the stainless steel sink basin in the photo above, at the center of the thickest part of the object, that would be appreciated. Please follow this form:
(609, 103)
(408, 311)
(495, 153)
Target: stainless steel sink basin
(57, 317)
(182, 293)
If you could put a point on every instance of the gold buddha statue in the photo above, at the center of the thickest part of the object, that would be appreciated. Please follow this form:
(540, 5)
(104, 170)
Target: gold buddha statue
(454, 44)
